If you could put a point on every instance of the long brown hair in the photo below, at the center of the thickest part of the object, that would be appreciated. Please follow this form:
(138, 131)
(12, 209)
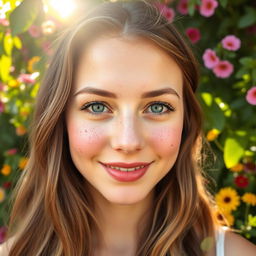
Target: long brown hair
(52, 212)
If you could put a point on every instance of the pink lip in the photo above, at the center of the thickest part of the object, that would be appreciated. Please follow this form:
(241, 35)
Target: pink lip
(126, 176)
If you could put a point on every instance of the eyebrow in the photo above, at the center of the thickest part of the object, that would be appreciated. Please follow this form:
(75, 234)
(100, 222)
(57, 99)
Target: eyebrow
(104, 93)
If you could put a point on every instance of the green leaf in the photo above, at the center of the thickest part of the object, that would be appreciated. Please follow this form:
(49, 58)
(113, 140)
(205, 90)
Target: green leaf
(8, 44)
(254, 76)
(248, 19)
(214, 116)
(251, 220)
(1, 43)
(192, 7)
(234, 148)
(24, 15)
(207, 98)
(17, 42)
(241, 72)
(5, 64)
(224, 3)
(247, 61)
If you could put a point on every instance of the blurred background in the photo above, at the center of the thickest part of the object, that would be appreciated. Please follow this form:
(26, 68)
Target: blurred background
(222, 35)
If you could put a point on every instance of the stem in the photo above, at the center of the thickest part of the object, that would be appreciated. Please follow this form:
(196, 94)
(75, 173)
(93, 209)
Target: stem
(218, 145)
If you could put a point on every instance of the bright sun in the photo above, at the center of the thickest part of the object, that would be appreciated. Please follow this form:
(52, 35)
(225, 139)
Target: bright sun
(63, 8)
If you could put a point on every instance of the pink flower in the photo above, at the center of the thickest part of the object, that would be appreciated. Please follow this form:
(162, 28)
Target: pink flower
(182, 7)
(167, 12)
(193, 34)
(47, 48)
(223, 69)
(26, 78)
(207, 7)
(34, 31)
(3, 231)
(4, 22)
(231, 43)
(11, 151)
(1, 107)
(251, 96)
(210, 58)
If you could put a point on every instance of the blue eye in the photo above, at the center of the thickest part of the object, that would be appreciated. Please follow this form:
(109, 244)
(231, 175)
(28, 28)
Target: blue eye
(97, 107)
(158, 106)
(94, 108)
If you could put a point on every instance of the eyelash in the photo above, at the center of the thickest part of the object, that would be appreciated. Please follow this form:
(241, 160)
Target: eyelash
(169, 107)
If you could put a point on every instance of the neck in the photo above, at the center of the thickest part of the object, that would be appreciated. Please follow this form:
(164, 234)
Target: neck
(121, 225)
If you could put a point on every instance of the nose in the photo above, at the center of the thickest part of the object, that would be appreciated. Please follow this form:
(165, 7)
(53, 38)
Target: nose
(127, 135)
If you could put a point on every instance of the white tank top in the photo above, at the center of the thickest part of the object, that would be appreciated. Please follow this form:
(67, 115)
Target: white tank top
(220, 237)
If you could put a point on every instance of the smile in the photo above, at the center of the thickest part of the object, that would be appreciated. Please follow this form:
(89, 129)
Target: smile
(124, 172)
(126, 169)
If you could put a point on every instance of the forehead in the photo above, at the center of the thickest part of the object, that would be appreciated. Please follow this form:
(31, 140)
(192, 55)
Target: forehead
(127, 63)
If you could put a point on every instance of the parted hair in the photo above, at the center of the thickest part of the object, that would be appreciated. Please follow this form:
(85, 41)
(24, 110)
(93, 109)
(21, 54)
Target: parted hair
(52, 212)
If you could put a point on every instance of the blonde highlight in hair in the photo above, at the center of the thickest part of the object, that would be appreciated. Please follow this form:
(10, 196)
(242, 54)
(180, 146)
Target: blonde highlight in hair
(53, 212)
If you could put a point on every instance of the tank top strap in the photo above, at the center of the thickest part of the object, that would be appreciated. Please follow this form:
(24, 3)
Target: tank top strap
(220, 238)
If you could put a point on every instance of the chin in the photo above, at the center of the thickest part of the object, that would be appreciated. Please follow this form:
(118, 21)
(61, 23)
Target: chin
(125, 198)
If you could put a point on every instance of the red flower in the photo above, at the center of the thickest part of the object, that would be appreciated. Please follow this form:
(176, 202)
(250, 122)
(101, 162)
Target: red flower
(7, 184)
(241, 181)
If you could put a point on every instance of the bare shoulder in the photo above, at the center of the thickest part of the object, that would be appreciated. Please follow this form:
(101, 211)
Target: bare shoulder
(5, 247)
(236, 245)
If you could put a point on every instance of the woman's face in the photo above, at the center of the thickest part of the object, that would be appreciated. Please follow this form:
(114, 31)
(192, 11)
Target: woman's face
(126, 107)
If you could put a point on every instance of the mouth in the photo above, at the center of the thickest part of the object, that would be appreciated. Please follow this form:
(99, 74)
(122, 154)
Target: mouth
(126, 172)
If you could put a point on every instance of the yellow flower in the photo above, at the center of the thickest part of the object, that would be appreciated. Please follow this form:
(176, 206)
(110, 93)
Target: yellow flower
(229, 218)
(23, 162)
(13, 83)
(225, 218)
(227, 199)
(2, 194)
(237, 168)
(32, 62)
(6, 170)
(212, 134)
(249, 198)
(24, 111)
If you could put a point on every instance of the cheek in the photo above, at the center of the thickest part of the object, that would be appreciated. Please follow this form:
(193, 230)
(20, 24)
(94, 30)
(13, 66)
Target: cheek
(166, 140)
(85, 138)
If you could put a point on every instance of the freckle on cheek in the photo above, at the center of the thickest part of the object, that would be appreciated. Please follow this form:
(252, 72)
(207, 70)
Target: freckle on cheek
(86, 140)
(165, 138)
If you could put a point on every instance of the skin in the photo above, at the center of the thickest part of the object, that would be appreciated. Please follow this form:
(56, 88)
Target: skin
(127, 130)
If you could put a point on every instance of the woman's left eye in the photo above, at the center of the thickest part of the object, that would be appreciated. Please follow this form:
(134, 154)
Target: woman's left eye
(158, 107)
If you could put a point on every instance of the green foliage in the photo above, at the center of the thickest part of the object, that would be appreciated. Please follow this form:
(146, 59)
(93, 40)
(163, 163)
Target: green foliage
(230, 121)
(24, 15)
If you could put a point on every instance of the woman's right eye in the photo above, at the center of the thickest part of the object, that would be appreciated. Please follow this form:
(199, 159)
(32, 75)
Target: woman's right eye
(95, 107)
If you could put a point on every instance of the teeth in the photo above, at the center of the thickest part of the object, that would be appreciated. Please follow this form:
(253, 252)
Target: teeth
(126, 169)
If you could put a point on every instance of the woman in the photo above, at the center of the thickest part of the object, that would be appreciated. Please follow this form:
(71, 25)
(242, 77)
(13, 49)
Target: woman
(113, 150)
